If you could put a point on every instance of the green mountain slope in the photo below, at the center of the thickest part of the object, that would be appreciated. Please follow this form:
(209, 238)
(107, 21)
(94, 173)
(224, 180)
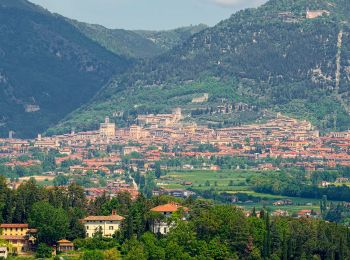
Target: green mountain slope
(47, 68)
(137, 44)
(118, 41)
(270, 59)
(170, 38)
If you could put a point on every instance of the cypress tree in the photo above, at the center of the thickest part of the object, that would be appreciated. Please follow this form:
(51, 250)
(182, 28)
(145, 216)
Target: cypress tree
(284, 246)
(341, 248)
(290, 249)
(254, 212)
(267, 239)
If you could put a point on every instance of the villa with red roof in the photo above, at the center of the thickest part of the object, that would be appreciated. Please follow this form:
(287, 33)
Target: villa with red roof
(107, 225)
(162, 226)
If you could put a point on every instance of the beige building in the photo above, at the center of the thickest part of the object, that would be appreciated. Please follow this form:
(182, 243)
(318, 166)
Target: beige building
(19, 237)
(107, 129)
(316, 13)
(46, 142)
(201, 99)
(161, 120)
(135, 132)
(107, 225)
(130, 149)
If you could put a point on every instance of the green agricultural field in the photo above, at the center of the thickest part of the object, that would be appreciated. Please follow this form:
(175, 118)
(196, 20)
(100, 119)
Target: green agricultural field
(291, 208)
(341, 184)
(225, 180)
(233, 182)
(268, 199)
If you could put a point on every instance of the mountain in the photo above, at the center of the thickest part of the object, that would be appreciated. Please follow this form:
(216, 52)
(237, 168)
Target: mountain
(120, 42)
(168, 39)
(285, 56)
(48, 68)
(137, 44)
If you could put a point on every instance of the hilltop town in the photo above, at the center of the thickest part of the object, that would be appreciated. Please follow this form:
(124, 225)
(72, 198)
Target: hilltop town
(157, 156)
(115, 151)
(229, 141)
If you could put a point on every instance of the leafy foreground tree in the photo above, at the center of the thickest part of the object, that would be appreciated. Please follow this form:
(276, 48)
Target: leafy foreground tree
(111, 254)
(43, 251)
(93, 255)
(210, 231)
(224, 232)
(52, 223)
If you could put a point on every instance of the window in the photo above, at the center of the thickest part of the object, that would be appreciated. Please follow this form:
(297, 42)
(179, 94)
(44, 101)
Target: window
(111, 227)
(165, 230)
(87, 227)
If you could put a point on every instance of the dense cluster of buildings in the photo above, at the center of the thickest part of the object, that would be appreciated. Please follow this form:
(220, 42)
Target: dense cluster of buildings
(166, 136)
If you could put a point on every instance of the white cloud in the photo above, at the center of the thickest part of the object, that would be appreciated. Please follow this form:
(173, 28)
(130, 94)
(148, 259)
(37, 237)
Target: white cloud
(237, 3)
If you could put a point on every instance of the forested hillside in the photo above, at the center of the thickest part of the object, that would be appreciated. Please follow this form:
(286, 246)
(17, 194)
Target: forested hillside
(121, 42)
(211, 231)
(168, 39)
(47, 68)
(273, 57)
(137, 44)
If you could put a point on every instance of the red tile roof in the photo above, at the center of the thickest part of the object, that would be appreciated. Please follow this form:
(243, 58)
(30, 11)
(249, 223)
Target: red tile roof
(170, 207)
(65, 242)
(14, 226)
(104, 218)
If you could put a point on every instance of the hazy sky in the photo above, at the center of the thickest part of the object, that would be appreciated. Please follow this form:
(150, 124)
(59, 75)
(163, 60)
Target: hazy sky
(147, 14)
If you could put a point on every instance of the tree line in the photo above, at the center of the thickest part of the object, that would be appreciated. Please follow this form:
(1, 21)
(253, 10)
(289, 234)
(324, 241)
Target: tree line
(212, 231)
